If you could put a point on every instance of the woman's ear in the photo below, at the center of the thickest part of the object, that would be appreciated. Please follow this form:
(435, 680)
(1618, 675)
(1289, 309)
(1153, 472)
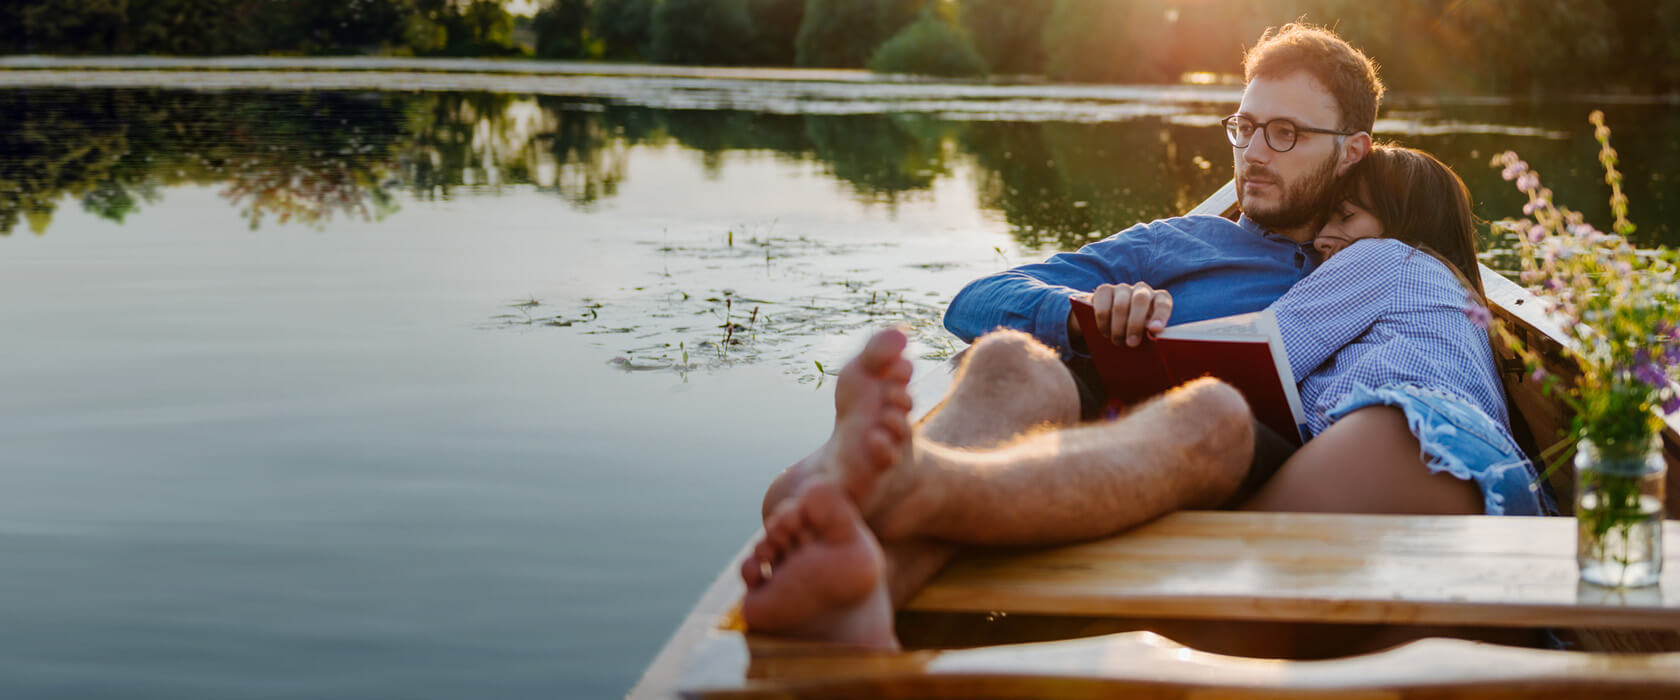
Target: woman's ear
(1354, 149)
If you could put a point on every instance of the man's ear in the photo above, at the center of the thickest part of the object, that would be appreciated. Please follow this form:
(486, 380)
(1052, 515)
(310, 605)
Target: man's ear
(1354, 149)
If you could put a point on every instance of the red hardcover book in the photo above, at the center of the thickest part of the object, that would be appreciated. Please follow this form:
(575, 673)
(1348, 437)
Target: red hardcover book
(1245, 351)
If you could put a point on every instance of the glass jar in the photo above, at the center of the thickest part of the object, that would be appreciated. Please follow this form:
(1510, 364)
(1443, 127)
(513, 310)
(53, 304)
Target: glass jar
(1619, 515)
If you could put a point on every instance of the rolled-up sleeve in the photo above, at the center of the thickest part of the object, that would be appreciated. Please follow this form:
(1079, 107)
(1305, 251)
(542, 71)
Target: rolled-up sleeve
(1035, 299)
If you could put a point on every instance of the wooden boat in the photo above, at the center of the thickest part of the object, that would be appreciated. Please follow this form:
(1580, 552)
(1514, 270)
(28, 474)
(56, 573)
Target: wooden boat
(1043, 623)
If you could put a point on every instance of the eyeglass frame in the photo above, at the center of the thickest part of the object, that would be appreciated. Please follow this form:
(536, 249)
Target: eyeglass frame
(1261, 127)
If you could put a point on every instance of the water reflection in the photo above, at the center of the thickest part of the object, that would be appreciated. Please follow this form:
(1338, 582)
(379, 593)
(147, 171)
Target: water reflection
(306, 157)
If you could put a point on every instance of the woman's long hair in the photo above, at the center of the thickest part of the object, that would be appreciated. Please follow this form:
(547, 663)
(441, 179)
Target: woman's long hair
(1421, 201)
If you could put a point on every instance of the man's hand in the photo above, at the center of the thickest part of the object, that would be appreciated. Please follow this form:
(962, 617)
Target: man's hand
(1126, 311)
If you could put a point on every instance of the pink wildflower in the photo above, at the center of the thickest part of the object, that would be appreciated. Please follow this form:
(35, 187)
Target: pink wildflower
(1536, 233)
(1538, 375)
(1477, 314)
(1528, 181)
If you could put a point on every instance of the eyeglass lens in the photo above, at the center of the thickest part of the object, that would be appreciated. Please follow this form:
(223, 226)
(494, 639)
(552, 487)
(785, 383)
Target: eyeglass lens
(1280, 133)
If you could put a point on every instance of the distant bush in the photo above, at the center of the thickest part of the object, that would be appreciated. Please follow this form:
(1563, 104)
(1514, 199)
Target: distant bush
(1008, 33)
(562, 29)
(843, 33)
(929, 46)
(716, 32)
(1103, 41)
(622, 26)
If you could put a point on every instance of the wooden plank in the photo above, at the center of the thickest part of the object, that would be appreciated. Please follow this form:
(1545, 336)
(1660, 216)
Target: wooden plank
(1460, 570)
(693, 657)
(1221, 203)
(1142, 664)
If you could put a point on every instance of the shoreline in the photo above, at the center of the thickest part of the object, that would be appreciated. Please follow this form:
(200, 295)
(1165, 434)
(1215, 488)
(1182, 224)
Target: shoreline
(898, 85)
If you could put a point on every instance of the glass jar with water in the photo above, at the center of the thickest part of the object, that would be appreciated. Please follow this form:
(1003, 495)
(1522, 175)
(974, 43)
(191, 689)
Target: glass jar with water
(1619, 513)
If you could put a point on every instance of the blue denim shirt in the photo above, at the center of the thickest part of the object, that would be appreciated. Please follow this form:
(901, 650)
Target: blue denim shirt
(1212, 266)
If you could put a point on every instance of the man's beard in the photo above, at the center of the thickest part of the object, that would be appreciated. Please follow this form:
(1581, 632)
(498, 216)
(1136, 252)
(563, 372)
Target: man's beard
(1303, 202)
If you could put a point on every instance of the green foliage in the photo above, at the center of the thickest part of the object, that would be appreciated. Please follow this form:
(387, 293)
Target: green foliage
(775, 28)
(622, 26)
(929, 46)
(562, 28)
(843, 33)
(716, 32)
(1008, 33)
(1112, 41)
(1439, 46)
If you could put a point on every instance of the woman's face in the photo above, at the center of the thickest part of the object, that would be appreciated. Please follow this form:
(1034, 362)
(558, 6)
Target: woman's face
(1348, 223)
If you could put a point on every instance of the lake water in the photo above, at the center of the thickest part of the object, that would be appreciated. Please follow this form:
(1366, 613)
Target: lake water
(441, 386)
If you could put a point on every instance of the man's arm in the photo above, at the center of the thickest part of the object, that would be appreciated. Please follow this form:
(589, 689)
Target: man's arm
(1034, 299)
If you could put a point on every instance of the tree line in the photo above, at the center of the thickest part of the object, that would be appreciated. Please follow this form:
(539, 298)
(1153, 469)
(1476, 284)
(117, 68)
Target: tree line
(1422, 45)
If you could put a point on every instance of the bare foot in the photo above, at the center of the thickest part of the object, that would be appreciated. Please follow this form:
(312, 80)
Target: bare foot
(871, 426)
(818, 574)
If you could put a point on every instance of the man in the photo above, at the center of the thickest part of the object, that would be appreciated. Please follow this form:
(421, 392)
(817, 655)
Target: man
(855, 529)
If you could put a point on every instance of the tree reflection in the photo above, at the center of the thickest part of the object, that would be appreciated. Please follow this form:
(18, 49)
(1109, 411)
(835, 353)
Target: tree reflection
(1061, 186)
(57, 144)
(307, 157)
(883, 157)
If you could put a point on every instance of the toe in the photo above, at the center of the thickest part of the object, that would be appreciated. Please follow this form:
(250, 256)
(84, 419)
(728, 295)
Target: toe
(829, 514)
(752, 571)
(900, 370)
(897, 425)
(879, 355)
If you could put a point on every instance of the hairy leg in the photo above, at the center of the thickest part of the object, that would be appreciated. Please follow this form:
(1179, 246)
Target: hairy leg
(1189, 448)
(1007, 383)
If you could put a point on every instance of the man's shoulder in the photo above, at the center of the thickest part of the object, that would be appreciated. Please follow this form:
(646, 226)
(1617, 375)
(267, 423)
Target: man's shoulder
(1199, 226)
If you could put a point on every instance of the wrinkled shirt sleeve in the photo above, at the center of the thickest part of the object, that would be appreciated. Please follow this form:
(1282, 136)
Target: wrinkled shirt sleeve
(1339, 301)
(1035, 299)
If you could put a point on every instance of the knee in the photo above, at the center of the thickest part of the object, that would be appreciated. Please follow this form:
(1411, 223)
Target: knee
(1221, 410)
(1010, 352)
(1212, 398)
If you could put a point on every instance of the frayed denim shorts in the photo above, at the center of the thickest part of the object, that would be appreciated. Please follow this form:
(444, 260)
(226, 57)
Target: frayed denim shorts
(1460, 439)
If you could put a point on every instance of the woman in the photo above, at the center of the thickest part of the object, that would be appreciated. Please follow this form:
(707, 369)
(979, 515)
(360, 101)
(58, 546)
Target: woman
(1395, 369)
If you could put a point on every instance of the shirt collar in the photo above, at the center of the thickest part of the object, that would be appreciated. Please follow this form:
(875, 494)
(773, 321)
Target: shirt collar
(1258, 230)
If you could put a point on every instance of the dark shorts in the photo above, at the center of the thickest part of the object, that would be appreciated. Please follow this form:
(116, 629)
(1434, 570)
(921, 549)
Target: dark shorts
(1270, 449)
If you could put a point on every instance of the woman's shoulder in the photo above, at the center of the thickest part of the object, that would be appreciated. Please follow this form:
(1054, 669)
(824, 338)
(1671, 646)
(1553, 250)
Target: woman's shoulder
(1395, 256)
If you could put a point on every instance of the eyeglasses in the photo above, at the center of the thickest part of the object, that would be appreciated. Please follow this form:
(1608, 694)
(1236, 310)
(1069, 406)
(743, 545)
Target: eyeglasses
(1281, 134)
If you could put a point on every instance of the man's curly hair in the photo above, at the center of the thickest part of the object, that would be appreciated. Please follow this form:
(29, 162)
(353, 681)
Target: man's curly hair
(1349, 75)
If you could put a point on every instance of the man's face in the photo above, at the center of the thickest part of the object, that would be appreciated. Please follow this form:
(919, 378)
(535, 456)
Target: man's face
(1291, 189)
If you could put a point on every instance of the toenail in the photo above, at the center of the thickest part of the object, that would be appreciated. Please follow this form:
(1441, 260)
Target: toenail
(764, 569)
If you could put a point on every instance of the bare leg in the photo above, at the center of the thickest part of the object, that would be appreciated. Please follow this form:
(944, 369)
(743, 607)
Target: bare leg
(1008, 384)
(1189, 448)
(1367, 462)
